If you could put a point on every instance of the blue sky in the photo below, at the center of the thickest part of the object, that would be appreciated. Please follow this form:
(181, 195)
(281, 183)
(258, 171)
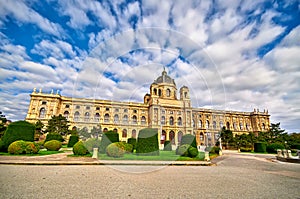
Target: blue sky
(233, 55)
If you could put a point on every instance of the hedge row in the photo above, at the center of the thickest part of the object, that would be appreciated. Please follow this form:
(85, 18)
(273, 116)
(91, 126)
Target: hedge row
(147, 142)
(108, 138)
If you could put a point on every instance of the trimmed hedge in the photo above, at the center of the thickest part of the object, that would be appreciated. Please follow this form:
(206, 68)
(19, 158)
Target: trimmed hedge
(260, 147)
(189, 139)
(20, 130)
(132, 141)
(115, 150)
(92, 143)
(53, 145)
(245, 149)
(80, 149)
(128, 148)
(167, 146)
(108, 138)
(73, 140)
(272, 148)
(147, 142)
(193, 152)
(54, 136)
(215, 150)
(23, 147)
(183, 150)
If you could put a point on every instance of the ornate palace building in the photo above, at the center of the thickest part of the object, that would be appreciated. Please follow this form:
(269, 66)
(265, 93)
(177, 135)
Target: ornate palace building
(161, 109)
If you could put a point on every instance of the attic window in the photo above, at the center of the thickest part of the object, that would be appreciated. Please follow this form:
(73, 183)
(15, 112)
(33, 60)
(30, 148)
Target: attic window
(44, 103)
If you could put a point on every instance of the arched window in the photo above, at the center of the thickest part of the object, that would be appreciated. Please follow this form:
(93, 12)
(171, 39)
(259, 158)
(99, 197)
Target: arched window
(116, 118)
(42, 113)
(133, 133)
(227, 125)
(171, 120)
(106, 117)
(247, 127)
(179, 136)
(201, 137)
(200, 124)
(134, 119)
(168, 92)
(163, 120)
(143, 120)
(179, 121)
(163, 137)
(66, 114)
(263, 126)
(221, 124)
(214, 124)
(155, 91)
(86, 116)
(193, 123)
(97, 117)
(234, 126)
(105, 130)
(207, 124)
(159, 92)
(125, 119)
(172, 137)
(115, 130)
(76, 116)
(124, 133)
(241, 126)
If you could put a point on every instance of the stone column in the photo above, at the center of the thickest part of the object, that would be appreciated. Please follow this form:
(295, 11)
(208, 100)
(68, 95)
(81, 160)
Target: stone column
(95, 153)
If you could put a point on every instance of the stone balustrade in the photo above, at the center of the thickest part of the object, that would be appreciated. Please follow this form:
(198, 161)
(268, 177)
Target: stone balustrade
(286, 156)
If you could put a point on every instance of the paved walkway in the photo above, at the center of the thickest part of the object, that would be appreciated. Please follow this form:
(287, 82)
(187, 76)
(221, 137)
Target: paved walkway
(63, 159)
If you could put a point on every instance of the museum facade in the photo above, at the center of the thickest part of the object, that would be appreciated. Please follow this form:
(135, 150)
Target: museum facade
(161, 109)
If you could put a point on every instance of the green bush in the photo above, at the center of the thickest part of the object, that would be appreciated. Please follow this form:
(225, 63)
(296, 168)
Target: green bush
(147, 142)
(53, 145)
(115, 150)
(2, 146)
(245, 149)
(22, 147)
(167, 146)
(296, 146)
(128, 148)
(193, 152)
(80, 149)
(132, 141)
(73, 140)
(215, 150)
(92, 143)
(272, 148)
(108, 138)
(260, 147)
(183, 150)
(189, 139)
(17, 147)
(54, 136)
(32, 148)
(20, 130)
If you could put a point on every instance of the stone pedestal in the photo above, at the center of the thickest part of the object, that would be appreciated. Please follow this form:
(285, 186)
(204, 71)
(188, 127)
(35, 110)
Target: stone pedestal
(206, 157)
(279, 153)
(95, 153)
(220, 152)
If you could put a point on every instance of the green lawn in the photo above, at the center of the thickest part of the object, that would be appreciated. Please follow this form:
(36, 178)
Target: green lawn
(41, 152)
(163, 156)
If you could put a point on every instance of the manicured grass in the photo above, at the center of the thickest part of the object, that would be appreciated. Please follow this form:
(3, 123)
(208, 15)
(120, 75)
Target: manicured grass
(41, 152)
(163, 156)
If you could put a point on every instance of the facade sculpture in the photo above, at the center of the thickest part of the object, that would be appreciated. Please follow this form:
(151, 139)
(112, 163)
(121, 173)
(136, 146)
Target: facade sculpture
(161, 109)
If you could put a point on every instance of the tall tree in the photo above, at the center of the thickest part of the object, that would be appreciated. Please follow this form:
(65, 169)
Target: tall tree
(226, 136)
(58, 124)
(274, 134)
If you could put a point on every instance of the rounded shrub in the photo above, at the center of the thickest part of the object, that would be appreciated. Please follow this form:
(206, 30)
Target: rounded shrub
(183, 150)
(260, 147)
(32, 148)
(17, 147)
(53, 145)
(22, 147)
(128, 148)
(115, 150)
(215, 150)
(80, 149)
(73, 140)
(167, 146)
(54, 136)
(272, 148)
(193, 152)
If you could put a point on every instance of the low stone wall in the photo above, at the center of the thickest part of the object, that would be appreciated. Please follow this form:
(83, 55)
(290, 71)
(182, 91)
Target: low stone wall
(286, 156)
